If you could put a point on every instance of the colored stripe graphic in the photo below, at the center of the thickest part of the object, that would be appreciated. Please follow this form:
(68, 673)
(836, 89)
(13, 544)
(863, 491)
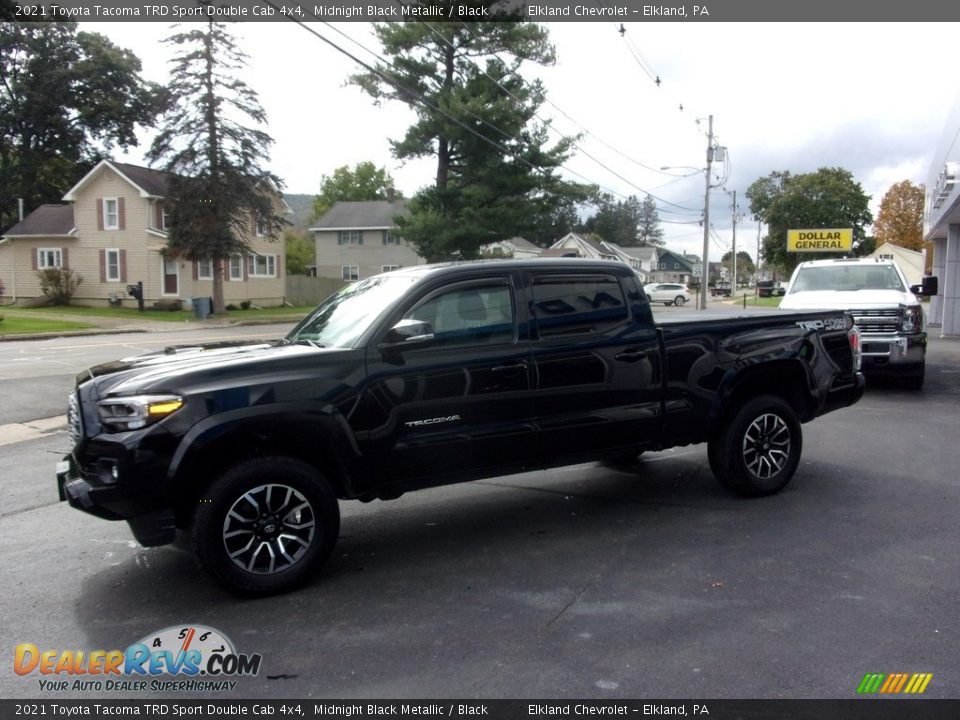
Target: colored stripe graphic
(918, 683)
(871, 682)
(894, 683)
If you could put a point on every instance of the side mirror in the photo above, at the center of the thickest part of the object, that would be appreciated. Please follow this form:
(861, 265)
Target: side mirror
(928, 288)
(407, 333)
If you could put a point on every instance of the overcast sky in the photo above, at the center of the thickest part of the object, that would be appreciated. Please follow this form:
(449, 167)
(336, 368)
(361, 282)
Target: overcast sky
(871, 98)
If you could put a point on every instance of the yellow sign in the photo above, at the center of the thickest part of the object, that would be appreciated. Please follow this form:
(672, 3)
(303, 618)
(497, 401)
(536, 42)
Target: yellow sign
(820, 240)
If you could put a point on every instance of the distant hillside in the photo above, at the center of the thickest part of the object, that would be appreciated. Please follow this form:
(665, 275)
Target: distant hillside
(301, 205)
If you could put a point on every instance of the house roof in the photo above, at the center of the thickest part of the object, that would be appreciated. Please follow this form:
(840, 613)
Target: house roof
(148, 182)
(643, 252)
(361, 215)
(46, 220)
(523, 244)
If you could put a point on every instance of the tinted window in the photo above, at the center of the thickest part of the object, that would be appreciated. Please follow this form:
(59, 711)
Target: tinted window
(566, 304)
(469, 314)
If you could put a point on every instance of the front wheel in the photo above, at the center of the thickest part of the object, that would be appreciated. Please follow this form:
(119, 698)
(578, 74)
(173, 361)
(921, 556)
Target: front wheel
(266, 526)
(757, 452)
(679, 300)
(913, 378)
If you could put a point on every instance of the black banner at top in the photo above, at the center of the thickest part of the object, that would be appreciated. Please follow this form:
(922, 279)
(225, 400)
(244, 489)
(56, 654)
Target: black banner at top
(625, 11)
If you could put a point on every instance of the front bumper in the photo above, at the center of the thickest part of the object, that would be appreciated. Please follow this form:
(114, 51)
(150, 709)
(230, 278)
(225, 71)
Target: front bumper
(111, 501)
(880, 351)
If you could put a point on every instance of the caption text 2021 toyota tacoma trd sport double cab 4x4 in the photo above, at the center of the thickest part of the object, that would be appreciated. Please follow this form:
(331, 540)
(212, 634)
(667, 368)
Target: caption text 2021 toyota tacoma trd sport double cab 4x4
(433, 375)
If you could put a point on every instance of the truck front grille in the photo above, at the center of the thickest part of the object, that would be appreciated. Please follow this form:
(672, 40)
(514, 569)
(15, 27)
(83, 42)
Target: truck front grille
(886, 320)
(74, 419)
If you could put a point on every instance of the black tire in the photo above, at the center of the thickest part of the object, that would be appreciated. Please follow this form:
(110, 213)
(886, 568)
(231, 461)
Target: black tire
(679, 300)
(266, 526)
(913, 378)
(757, 452)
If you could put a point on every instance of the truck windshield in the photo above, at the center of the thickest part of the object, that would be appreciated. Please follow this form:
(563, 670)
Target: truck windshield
(847, 277)
(343, 317)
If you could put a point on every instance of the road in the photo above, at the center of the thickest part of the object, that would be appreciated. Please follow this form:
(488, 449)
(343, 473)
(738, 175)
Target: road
(583, 582)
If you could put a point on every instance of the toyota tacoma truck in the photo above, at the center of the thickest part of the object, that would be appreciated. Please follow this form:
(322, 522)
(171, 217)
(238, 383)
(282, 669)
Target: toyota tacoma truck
(433, 375)
(884, 307)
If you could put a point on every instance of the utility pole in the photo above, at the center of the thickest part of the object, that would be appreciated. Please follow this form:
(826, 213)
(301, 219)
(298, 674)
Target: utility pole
(757, 273)
(705, 270)
(733, 290)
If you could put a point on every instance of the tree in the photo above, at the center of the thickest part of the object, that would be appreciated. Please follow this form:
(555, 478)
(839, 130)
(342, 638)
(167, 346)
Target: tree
(66, 99)
(745, 264)
(900, 218)
(495, 176)
(218, 188)
(364, 182)
(828, 198)
(630, 222)
(300, 251)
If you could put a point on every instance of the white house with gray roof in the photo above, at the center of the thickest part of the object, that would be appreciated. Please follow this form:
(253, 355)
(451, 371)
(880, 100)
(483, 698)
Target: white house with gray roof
(355, 240)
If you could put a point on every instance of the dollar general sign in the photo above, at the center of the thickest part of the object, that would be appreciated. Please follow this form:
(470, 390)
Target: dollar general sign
(820, 240)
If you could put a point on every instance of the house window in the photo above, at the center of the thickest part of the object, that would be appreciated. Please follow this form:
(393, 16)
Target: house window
(390, 239)
(262, 266)
(112, 263)
(886, 257)
(350, 237)
(48, 258)
(350, 272)
(164, 219)
(236, 267)
(388, 268)
(261, 227)
(204, 270)
(111, 214)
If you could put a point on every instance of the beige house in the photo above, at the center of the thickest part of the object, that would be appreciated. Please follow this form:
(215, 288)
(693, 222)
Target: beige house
(911, 262)
(113, 234)
(355, 240)
(515, 247)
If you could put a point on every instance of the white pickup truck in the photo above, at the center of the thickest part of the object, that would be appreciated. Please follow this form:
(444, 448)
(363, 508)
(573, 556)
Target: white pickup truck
(885, 308)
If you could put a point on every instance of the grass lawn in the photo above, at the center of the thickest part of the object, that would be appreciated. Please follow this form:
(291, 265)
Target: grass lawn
(20, 325)
(284, 313)
(752, 301)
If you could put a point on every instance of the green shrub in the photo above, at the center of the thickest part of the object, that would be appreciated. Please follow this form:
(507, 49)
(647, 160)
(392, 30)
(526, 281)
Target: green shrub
(58, 284)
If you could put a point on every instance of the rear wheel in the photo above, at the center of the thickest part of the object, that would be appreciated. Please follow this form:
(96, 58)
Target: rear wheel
(266, 526)
(679, 300)
(758, 450)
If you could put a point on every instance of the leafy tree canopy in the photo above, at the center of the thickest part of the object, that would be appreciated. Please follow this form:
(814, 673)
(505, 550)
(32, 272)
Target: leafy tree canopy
(629, 222)
(66, 99)
(365, 181)
(219, 190)
(900, 218)
(828, 198)
(496, 177)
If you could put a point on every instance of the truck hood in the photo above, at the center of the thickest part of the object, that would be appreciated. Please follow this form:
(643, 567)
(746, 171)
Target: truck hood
(185, 367)
(846, 300)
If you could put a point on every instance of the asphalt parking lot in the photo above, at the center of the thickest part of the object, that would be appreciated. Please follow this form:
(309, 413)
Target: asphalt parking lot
(583, 582)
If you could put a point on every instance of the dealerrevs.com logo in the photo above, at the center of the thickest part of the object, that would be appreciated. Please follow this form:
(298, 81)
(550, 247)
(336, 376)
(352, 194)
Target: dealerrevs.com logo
(196, 657)
(894, 683)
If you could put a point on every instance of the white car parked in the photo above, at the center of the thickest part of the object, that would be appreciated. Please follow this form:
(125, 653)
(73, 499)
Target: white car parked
(667, 293)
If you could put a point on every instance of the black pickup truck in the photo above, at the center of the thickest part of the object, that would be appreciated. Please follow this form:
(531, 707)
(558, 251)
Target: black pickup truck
(433, 375)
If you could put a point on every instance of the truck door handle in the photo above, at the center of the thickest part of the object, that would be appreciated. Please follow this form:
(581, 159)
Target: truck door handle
(509, 368)
(630, 356)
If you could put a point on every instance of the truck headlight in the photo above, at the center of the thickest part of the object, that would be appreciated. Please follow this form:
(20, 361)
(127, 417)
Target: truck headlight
(911, 318)
(137, 411)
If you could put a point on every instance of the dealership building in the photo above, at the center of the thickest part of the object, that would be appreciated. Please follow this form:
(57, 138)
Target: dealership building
(942, 227)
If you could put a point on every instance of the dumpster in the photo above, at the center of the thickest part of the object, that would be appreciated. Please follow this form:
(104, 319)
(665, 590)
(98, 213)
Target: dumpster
(202, 306)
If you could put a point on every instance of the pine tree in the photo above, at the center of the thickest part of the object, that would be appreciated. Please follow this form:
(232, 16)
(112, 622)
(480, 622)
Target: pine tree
(218, 188)
(495, 176)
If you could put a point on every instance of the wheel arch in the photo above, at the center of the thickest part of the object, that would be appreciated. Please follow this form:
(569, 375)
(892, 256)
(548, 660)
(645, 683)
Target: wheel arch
(317, 439)
(786, 379)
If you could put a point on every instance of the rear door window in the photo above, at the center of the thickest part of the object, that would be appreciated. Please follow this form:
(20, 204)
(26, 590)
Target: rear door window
(575, 304)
